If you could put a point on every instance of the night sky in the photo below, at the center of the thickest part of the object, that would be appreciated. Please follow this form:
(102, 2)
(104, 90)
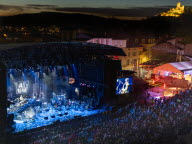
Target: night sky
(8, 7)
(98, 3)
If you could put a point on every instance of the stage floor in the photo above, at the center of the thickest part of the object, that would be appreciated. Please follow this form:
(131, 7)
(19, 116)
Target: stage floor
(49, 115)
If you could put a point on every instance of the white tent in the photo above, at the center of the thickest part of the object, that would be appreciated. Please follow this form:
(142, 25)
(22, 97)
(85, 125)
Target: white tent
(179, 69)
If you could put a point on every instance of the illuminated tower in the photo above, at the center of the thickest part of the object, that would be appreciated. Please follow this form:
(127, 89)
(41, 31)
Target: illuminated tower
(174, 12)
(178, 5)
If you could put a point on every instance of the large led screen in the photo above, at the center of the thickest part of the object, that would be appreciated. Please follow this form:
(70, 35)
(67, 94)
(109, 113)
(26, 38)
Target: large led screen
(21, 87)
(124, 85)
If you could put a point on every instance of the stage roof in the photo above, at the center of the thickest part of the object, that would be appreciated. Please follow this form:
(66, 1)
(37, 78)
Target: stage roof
(55, 52)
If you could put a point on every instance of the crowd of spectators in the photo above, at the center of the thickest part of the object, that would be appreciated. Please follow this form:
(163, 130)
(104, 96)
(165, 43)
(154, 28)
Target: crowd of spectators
(166, 121)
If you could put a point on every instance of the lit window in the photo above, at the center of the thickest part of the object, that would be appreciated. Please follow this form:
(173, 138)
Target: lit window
(121, 42)
(134, 53)
(127, 62)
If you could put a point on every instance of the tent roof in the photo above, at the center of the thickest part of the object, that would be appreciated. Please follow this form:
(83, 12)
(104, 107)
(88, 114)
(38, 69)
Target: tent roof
(182, 66)
(176, 67)
(167, 67)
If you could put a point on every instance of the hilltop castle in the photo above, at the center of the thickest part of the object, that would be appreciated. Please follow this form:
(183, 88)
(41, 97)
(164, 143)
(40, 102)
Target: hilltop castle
(174, 12)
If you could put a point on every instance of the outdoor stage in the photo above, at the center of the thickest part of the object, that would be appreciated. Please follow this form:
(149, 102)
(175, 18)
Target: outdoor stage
(49, 82)
(42, 96)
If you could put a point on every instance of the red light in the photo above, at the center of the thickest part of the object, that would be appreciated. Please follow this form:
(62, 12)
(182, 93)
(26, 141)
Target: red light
(116, 58)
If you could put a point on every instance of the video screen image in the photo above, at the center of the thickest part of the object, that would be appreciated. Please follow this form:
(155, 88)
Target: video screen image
(124, 85)
(22, 87)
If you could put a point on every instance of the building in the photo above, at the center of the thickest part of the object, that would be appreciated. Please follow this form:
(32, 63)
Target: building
(175, 47)
(147, 42)
(169, 51)
(121, 43)
(174, 12)
(188, 49)
(134, 57)
(136, 53)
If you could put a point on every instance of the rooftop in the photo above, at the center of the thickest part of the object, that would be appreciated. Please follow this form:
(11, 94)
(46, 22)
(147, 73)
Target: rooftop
(133, 45)
(187, 65)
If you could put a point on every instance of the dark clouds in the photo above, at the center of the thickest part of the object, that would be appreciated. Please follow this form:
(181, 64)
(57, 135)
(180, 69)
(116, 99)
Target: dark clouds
(6, 10)
(42, 6)
(132, 12)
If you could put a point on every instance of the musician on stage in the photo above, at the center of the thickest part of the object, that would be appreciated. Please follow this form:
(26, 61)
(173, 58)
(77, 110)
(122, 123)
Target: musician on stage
(119, 86)
(125, 86)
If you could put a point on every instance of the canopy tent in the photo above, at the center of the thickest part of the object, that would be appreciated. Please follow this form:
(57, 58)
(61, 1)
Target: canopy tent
(182, 68)
(166, 67)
